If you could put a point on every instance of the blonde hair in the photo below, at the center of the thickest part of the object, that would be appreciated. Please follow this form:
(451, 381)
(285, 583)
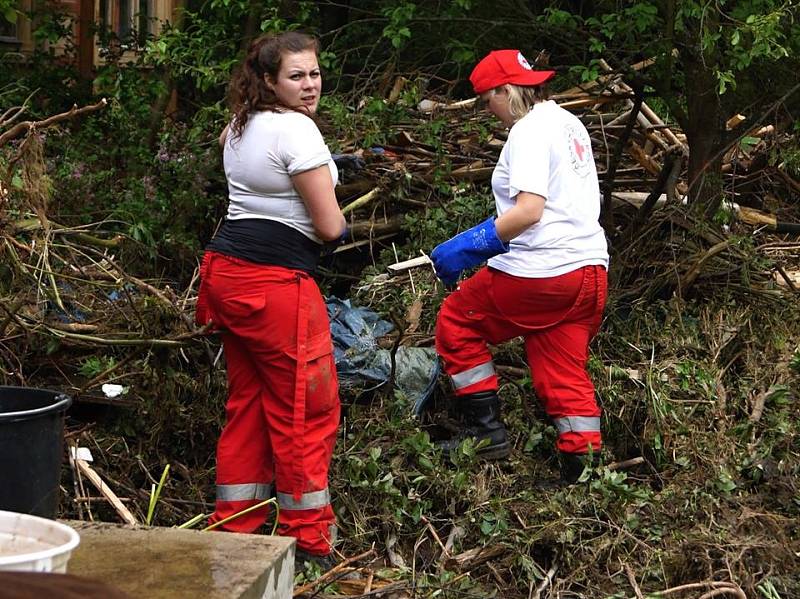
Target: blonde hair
(521, 98)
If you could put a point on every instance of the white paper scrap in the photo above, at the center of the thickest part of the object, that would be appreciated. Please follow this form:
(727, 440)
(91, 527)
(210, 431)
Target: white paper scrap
(81, 453)
(112, 391)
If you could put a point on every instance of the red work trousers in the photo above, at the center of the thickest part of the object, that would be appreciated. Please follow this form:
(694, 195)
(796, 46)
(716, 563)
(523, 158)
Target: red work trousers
(556, 316)
(283, 403)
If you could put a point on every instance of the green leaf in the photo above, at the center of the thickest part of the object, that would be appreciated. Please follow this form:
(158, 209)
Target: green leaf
(747, 143)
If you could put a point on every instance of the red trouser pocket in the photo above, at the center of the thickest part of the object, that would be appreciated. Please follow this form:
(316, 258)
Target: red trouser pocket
(201, 313)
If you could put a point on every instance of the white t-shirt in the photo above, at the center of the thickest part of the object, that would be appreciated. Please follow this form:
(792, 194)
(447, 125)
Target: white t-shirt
(549, 153)
(259, 165)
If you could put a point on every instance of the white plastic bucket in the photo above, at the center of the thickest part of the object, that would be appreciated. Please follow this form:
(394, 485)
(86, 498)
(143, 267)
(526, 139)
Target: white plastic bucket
(33, 544)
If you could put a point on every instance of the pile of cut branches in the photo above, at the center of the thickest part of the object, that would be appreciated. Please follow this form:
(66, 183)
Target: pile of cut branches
(697, 364)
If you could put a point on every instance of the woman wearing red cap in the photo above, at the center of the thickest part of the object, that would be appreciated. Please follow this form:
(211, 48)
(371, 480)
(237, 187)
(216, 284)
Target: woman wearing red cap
(546, 275)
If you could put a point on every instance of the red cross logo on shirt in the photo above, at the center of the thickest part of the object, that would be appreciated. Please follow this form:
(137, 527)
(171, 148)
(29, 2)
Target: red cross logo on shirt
(579, 149)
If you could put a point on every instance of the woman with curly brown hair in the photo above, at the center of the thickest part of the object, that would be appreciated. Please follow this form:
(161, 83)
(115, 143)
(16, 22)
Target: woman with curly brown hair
(257, 289)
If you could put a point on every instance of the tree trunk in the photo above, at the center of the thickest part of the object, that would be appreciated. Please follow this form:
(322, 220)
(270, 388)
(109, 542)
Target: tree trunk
(705, 125)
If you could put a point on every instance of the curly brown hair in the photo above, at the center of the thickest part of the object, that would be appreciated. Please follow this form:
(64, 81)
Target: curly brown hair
(248, 91)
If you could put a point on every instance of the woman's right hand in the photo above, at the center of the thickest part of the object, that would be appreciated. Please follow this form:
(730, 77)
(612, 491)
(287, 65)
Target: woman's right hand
(223, 136)
(315, 186)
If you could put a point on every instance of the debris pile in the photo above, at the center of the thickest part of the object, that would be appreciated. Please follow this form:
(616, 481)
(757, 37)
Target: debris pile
(681, 388)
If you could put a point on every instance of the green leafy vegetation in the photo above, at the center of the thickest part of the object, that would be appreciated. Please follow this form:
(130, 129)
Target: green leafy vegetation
(699, 380)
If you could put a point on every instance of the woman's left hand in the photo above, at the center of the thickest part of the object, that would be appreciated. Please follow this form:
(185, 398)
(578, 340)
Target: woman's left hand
(465, 250)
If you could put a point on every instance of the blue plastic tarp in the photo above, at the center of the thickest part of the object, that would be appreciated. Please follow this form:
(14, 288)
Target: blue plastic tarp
(362, 365)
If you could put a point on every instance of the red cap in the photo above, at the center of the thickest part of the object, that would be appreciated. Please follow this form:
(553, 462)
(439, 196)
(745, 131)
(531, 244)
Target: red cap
(505, 66)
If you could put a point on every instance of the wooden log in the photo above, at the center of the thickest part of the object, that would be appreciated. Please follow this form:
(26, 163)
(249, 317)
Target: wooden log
(370, 228)
(637, 153)
(751, 216)
(735, 121)
(356, 188)
(473, 558)
(361, 201)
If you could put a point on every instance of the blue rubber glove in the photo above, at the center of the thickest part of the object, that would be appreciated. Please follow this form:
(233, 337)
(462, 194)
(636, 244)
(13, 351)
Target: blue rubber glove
(465, 250)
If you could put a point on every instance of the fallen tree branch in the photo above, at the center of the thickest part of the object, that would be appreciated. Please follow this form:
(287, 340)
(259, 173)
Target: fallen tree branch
(26, 126)
(548, 580)
(608, 181)
(726, 587)
(361, 201)
(691, 275)
(332, 573)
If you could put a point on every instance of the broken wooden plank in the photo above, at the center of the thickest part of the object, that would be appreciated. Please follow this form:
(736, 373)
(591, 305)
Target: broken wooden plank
(399, 267)
(86, 470)
(431, 105)
(735, 121)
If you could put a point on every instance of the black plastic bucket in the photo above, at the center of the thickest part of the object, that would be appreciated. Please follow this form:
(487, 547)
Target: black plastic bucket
(31, 449)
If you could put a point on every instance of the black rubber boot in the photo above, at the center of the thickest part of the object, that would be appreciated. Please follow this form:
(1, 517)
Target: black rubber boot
(482, 415)
(572, 465)
(302, 558)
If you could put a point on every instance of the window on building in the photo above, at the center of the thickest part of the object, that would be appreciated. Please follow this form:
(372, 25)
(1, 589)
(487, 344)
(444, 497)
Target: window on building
(8, 30)
(16, 35)
(126, 24)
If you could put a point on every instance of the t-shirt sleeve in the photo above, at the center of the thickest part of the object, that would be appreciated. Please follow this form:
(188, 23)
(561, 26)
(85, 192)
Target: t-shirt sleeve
(528, 162)
(301, 147)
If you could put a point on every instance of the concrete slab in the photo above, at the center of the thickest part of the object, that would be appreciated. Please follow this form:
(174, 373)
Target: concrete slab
(169, 563)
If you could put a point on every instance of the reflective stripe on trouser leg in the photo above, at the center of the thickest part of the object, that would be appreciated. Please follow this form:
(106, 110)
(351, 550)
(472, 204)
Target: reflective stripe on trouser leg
(308, 501)
(234, 499)
(244, 492)
(472, 376)
(309, 507)
(578, 434)
(577, 424)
